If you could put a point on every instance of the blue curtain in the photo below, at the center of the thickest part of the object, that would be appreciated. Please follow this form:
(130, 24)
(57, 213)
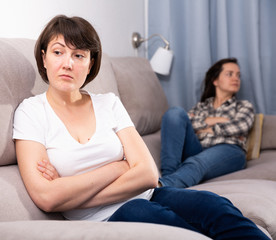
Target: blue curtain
(203, 31)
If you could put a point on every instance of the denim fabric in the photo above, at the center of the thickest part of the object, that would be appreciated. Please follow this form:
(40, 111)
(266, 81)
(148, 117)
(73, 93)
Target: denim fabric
(199, 211)
(184, 162)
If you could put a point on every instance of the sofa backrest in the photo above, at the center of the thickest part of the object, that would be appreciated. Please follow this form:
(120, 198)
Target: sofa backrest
(140, 92)
(18, 80)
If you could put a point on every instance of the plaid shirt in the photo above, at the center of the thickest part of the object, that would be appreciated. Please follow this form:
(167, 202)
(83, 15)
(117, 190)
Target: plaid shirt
(239, 112)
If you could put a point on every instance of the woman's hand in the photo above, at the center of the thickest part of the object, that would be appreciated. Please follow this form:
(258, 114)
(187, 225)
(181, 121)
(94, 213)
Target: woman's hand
(206, 130)
(47, 170)
(211, 121)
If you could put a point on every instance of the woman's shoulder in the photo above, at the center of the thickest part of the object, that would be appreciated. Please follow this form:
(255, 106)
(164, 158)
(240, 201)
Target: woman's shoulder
(244, 102)
(245, 105)
(205, 104)
(30, 111)
(33, 102)
(104, 97)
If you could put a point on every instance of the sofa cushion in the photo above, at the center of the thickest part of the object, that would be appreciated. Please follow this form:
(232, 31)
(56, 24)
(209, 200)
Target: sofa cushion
(269, 136)
(153, 142)
(17, 79)
(15, 203)
(25, 47)
(140, 92)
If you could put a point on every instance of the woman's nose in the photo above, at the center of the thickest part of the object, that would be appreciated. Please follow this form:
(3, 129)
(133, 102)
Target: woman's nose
(236, 77)
(68, 62)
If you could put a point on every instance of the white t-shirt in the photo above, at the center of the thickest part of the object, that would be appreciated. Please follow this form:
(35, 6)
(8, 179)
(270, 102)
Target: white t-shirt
(36, 120)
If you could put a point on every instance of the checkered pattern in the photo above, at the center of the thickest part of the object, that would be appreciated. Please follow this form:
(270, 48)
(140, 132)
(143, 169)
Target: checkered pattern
(239, 112)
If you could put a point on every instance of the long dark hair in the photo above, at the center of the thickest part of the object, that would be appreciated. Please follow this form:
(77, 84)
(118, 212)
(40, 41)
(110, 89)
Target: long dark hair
(211, 75)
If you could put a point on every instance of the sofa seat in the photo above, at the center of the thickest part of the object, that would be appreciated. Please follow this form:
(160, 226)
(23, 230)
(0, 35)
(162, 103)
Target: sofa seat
(72, 230)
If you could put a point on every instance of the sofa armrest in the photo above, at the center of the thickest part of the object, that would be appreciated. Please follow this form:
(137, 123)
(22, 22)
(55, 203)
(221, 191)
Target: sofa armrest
(269, 132)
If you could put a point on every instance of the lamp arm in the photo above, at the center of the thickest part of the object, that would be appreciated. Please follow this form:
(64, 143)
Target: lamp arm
(157, 35)
(137, 39)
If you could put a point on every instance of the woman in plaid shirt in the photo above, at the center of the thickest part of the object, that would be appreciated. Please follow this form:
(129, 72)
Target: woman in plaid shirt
(209, 140)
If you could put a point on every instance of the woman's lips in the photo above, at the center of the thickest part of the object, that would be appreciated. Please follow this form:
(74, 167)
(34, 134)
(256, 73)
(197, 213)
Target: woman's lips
(65, 76)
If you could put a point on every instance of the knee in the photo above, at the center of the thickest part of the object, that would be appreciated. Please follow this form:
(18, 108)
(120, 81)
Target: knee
(175, 115)
(131, 211)
(217, 206)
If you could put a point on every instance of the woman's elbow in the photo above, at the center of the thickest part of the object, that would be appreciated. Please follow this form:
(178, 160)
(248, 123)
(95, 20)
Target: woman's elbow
(153, 178)
(45, 202)
(154, 181)
(48, 208)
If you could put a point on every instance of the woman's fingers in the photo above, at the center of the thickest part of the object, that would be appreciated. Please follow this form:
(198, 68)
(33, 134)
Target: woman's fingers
(45, 175)
(47, 169)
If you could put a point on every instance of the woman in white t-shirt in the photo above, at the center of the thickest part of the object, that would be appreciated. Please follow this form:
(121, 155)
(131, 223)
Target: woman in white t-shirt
(80, 154)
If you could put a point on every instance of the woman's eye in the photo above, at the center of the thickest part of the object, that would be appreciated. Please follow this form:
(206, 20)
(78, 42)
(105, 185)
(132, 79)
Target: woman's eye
(57, 52)
(79, 56)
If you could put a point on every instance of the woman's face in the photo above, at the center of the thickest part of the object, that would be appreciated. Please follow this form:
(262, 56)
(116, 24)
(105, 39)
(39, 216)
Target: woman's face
(66, 67)
(228, 81)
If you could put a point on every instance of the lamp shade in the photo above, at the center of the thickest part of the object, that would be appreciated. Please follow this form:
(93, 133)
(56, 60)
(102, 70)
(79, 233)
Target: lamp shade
(161, 61)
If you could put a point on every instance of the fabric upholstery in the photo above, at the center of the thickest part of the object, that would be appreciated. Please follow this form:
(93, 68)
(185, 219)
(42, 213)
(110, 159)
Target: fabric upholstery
(141, 93)
(16, 204)
(25, 47)
(269, 136)
(65, 230)
(153, 142)
(17, 77)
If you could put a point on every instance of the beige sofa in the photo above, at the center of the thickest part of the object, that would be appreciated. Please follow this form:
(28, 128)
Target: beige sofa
(253, 190)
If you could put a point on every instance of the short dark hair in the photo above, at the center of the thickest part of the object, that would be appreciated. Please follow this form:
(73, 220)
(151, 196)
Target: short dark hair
(78, 33)
(211, 75)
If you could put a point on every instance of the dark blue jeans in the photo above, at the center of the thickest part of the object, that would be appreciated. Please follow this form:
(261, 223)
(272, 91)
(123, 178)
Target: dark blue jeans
(184, 162)
(199, 211)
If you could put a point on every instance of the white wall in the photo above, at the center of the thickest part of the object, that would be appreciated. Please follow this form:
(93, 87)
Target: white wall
(114, 20)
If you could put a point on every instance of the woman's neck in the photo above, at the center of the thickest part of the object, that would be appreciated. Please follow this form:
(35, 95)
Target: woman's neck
(220, 99)
(64, 99)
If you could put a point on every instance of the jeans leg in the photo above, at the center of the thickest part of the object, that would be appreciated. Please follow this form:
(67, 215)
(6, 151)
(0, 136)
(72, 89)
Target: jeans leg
(211, 162)
(209, 213)
(178, 140)
(222, 159)
(142, 210)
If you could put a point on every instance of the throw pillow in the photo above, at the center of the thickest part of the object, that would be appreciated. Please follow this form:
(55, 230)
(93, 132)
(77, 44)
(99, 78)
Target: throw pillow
(255, 138)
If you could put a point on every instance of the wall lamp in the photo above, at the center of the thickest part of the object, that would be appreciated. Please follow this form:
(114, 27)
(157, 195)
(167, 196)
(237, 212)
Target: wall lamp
(162, 59)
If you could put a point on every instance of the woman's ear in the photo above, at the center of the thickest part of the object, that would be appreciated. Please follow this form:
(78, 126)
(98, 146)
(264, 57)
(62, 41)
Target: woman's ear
(43, 58)
(91, 65)
(215, 83)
